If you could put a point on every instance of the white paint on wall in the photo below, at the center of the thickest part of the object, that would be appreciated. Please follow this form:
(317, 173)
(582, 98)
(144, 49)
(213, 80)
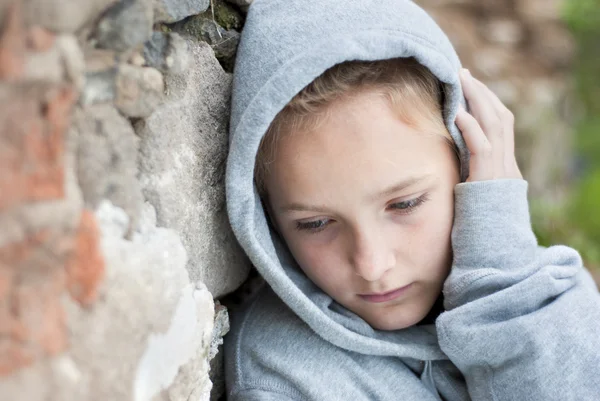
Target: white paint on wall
(167, 352)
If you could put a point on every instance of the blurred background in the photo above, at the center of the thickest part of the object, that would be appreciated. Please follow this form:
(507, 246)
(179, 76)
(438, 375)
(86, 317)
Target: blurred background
(542, 57)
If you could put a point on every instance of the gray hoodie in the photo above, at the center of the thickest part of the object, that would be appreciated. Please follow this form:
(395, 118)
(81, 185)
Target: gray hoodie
(519, 322)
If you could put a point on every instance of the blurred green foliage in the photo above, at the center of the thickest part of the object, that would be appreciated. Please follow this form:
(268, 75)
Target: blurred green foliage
(578, 225)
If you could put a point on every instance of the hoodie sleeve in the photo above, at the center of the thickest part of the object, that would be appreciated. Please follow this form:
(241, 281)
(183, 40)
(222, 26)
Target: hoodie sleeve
(521, 322)
(259, 395)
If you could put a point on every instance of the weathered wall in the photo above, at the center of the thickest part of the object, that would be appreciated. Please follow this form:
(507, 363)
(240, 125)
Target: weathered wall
(114, 239)
(114, 236)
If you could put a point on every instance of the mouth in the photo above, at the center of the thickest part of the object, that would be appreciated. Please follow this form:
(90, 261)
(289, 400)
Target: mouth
(385, 296)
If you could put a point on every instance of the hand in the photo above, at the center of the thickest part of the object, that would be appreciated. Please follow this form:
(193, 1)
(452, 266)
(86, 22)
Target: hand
(488, 132)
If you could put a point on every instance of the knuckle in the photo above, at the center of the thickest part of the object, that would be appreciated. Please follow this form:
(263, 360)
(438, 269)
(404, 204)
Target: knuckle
(495, 121)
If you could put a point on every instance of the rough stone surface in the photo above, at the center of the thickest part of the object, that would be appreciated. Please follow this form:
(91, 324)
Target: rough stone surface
(148, 323)
(100, 76)
(176, 10)
(223, 42)
(183, 150)
(167, 52)
(139, 90)
(63, 61)
(45, 239)
(100, 87)
(125, 25)
(63, 15)
(221, 327)
(107, 158)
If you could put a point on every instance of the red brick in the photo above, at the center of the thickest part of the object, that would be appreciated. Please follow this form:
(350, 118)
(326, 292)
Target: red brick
(32, 144)
(38, 308)
(40, 39)
(85, 268)
(32, 321)
(12, 44)
(13, 357)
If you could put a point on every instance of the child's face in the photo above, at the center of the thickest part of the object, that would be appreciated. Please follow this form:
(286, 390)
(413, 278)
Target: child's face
(365, 204)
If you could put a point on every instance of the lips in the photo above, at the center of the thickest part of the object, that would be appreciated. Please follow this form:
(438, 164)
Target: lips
(385, 296)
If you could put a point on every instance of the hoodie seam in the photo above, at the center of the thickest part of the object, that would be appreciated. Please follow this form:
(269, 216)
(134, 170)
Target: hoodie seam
(268, 387)
(470, 279)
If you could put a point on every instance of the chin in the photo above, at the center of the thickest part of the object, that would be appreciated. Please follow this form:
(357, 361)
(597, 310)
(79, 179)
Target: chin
(389, 323)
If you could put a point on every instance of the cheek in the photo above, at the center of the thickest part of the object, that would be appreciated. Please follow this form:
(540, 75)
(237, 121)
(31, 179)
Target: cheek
(320, 262)
(429, 246)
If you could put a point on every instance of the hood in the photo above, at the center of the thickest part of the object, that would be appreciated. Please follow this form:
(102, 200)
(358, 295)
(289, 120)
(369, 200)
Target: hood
(284, 46)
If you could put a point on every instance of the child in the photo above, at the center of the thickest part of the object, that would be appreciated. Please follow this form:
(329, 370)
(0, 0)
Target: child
(391, 225)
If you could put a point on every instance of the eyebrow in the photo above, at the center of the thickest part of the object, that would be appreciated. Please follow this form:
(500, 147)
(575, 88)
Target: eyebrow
(397, 187)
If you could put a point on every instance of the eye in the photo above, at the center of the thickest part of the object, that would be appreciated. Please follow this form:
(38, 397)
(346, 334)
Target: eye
(408, 206)
(313, 226)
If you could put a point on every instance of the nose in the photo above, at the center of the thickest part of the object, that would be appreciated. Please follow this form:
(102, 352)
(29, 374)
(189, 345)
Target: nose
(371, 257)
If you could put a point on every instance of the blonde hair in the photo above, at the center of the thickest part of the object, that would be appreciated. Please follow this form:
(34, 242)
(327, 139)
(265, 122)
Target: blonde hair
(413, 92)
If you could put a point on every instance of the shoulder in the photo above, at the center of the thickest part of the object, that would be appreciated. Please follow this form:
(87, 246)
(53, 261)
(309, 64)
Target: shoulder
(271, 354)
(265, 341)
(270, 349)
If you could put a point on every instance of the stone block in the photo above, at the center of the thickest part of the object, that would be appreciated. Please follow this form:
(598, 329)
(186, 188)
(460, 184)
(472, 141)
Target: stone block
(166, 52)
(176, 10)
(125, 25)
(139, 90)
(66, 16)
(107, 158)
(62, 60)
(183, 151)
(217, 363)
(224, 42)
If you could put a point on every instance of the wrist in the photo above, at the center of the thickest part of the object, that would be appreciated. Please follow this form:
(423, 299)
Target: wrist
(492, 225)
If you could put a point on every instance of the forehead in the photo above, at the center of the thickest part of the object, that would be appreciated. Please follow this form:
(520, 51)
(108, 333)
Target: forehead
(360, 144)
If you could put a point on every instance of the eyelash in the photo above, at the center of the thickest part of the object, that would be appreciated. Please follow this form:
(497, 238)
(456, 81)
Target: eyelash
(410, 206)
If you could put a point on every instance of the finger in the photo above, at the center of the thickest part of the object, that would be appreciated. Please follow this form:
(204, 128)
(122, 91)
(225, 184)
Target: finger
(508, 129)
(480, 106)
(497, 136)
(480, 149)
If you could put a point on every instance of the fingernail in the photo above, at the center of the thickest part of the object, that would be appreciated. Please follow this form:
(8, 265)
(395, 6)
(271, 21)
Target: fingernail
(467, 72)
